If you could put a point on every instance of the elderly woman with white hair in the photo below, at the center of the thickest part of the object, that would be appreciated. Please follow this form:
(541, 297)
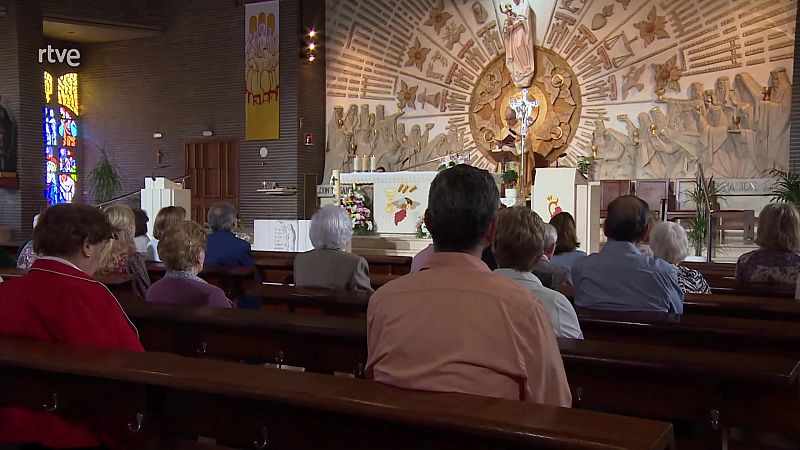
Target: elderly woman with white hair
(552, 275)
(669, 242)
(329, 265)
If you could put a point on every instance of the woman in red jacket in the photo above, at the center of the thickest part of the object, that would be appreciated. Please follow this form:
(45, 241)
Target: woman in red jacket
(60, 301)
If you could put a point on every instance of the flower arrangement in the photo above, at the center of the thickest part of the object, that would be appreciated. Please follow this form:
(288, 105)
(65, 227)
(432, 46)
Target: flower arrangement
(360, 209)
(453, 160)
(422, 229)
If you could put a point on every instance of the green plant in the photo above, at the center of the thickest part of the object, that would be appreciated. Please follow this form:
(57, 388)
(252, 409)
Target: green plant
(698, 196)
(103, 178)
(585, 164)
(698, 226)
(786, 187)
(510, 177)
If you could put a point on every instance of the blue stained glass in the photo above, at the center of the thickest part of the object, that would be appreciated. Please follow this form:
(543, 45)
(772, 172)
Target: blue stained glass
(50, 137)
(51, 178)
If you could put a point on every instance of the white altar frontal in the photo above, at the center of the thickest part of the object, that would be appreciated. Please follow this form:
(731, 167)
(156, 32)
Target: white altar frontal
(399, 198)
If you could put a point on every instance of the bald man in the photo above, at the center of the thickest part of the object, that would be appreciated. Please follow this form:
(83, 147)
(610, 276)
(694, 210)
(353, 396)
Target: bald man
(619, 277)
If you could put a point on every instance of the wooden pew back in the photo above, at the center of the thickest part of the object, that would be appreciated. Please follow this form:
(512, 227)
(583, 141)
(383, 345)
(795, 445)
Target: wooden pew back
(668, 383)
(237, 404)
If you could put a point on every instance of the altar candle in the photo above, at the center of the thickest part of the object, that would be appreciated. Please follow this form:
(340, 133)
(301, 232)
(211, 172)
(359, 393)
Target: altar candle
(372, 163)
(364, 163)
(356, 163)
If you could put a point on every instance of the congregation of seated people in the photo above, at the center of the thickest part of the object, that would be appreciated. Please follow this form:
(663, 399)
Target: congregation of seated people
(480, 313)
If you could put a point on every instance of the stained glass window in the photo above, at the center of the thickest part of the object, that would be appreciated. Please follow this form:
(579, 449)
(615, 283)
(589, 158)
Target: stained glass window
(68, 91)
(48, 87)
(60, 134)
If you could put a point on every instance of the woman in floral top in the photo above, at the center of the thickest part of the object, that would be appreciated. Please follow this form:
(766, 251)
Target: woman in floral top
(120, 255)
(669, 242)
(778, 236)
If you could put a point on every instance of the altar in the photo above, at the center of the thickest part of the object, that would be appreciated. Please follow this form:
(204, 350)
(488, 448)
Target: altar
(399, 199)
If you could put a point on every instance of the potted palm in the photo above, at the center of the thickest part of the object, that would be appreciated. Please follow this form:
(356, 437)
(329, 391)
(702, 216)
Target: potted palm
(699, 224)
(104, 179)
(786, 187)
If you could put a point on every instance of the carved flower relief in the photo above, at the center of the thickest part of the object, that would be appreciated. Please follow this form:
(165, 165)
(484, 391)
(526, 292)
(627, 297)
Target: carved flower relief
(417, 54)
(438, 17)
(668, 74)
(490, 88)
(452, 34)
(406, 96)
(653, 28)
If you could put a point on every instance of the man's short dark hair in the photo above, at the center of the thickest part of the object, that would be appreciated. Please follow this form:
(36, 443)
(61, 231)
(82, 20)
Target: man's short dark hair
(462, 204)
(627, 218)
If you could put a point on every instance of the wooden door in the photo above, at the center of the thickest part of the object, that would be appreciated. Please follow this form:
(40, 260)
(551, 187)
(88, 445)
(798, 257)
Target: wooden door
(213, 168)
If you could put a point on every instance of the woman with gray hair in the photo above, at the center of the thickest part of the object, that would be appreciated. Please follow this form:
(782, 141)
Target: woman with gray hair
(329, 265)
(669, 242)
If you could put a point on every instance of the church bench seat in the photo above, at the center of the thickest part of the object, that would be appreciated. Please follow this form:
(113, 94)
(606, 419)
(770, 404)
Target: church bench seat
(729, 334)
(232, 280)
(12, 272)
(743, 306)
(238, 405)
(329, 301)
(655, 381)
(276, 266)
(765, 308)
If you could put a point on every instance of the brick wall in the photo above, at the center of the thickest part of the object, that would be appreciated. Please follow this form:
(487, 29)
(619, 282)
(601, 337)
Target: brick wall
(192, 79)
(21, 88)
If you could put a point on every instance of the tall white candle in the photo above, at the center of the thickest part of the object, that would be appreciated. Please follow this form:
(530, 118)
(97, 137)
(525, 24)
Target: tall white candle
(372, 163)
(356, 163)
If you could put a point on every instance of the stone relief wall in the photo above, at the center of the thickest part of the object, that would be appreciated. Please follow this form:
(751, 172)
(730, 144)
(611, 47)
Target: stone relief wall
(650, 88)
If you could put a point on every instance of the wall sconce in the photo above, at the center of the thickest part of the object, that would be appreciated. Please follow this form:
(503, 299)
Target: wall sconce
(157, 135)
(208, 133)
(311, 47)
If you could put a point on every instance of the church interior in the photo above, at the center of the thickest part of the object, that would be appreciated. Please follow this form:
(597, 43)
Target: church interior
(291, 224)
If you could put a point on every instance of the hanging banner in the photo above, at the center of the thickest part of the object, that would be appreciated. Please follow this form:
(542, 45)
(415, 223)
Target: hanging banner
(262, 80)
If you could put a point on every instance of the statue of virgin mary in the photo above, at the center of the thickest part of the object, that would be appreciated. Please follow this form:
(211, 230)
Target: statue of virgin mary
(519, 34)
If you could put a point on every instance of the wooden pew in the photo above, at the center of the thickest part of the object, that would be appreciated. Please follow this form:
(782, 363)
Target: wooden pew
(12, 247)
(666, 383)
(12, 273)
(745, 307)
(232, 280)
(722, 279)
(240, 405)
(121, 285)
(328, 301)
(730, 334)
(764, 308)
(275, 267)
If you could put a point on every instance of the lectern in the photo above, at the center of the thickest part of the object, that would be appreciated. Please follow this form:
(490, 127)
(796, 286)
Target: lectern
(159, 193)
(557, 189)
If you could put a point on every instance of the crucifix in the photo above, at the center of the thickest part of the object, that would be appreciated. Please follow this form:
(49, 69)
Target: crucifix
(523, 108)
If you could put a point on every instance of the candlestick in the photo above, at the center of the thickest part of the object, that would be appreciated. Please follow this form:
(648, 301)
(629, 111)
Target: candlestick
(356, 163)
(372, 163)
(364, 163)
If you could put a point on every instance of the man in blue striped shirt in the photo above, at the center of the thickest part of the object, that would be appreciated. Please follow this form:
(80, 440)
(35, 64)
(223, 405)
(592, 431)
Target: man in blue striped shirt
(619, 277)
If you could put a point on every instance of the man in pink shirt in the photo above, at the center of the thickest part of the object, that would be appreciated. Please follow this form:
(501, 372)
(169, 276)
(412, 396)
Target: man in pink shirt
(455, 326)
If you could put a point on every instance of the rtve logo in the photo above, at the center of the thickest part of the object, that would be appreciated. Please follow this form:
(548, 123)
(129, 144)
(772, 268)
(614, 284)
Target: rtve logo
(70, 56)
